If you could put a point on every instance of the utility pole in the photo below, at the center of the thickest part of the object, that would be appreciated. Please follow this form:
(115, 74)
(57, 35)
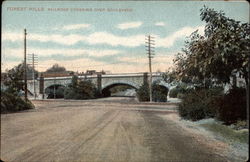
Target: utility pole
(25, 68)
(33, 58)
(149, 45)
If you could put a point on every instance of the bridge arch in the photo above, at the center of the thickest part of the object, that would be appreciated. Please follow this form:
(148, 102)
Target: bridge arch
(59, 90)
(106, 89)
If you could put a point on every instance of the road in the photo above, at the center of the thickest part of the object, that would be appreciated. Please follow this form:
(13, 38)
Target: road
(112, 129)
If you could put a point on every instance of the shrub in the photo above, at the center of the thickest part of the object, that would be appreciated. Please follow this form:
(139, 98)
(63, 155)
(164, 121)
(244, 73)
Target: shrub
(232, 106)
(159, 93)
(199, 104)
(173, 92)
(178, 90)
(59, 92)
(12, 103)
(143, 93)
(180, 95)
(80, 90)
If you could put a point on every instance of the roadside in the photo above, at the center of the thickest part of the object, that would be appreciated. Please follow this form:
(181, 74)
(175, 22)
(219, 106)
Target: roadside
(226, 141)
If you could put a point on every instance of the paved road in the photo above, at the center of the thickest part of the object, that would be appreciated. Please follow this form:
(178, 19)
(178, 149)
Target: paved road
(100, 130)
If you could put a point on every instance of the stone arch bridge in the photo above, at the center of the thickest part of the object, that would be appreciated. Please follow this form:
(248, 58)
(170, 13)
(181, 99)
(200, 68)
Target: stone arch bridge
(102, 81)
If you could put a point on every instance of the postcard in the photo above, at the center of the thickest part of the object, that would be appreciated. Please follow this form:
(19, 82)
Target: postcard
(125, 81)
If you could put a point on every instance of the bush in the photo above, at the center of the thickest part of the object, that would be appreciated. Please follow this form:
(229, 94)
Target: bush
(159, 93)
(143, 93)
(182, 90)
(59, 92)
(12, 103)
(80, 90)
(180, 95)
(199, 104)
(173, 92)
(232, 106)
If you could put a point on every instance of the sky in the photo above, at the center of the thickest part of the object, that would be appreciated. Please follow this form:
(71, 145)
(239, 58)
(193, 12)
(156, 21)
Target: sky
(104, 35)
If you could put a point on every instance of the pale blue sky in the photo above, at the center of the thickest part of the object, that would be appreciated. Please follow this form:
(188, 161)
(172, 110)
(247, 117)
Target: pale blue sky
(113, 41)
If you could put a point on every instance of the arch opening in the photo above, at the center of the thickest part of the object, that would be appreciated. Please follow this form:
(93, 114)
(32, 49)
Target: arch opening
(55, 91)
(119, 90)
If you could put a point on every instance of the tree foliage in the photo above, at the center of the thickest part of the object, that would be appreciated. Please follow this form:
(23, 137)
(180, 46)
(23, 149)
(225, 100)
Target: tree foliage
(12, 103)
(14, 80)
(159, 93)
(220, 53)
(80, 89)
(56, 68)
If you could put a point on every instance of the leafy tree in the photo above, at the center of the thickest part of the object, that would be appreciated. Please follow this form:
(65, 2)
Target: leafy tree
(10, 99)
(15, 78)
(214, 58)
(56, 68)
(220, 53)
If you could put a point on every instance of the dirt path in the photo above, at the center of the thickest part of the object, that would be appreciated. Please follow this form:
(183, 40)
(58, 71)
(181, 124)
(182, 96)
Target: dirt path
(98, 131)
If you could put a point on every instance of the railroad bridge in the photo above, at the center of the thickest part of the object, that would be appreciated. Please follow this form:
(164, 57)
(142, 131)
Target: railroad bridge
(103, 82)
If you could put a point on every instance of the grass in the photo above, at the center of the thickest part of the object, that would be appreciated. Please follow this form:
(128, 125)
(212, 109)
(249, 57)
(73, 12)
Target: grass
(227, 132)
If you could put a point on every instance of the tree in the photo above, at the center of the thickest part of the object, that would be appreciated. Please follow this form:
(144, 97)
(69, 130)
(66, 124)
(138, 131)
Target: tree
(56, 68)
(10, 99)
(14, 78)
(220, 53)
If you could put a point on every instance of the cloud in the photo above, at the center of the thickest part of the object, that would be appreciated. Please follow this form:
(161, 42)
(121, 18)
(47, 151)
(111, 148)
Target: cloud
(161, 61)
(181, 33)
(75, 26)
(18, 53)
(104, 38)
(94, 38)
(72, 27)
(77, 65)
(12, 36)
(160, 24)
(61, 39)
(129, 25)
(57, 38)
(113, 40)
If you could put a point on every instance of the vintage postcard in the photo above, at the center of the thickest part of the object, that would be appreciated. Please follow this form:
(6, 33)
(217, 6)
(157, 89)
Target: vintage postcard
(131, 81)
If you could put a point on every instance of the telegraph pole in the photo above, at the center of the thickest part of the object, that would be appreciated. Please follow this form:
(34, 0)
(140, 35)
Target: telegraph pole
(34, 62)
(25, 68)
(149, 45)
